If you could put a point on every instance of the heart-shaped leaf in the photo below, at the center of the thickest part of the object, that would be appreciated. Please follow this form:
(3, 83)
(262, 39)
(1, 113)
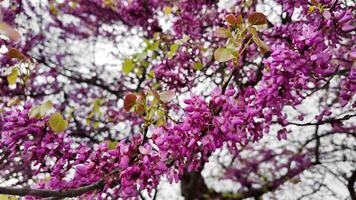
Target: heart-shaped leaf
(14, 53)
(9, 32)
(222, 32)
(127, 66)
(257, 18)
(198, 66)
(173, 49)
(166, 96)
(41, 110)
(112, 145)
(12, 77)
(231, 19)
(57, 123)
(129, 101)
(223, 55)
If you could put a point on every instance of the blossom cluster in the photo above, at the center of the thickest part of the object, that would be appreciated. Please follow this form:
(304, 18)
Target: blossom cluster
(305, 53)
(31, 142)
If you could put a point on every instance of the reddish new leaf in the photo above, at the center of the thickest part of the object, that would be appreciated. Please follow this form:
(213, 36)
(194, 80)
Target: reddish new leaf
(231, 19)
(15, 53)
(257, 18)
(129, 101)
(9, 32)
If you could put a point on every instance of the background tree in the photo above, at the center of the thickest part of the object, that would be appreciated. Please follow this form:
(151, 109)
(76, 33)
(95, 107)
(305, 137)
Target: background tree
(231, 99)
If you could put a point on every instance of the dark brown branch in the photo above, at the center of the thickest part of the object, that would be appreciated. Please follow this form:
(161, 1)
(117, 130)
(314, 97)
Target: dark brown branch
(52, 193)
(56, 193)
(346, 117)
(317, 145)
(193, 186)
(351, 184)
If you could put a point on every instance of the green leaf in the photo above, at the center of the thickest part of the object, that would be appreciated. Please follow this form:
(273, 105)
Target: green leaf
(7, 197)
(263, 47)
(112, 144)
(96, 105)
(173, 49)
(248, 3)
(223, 55)
(96, 125)
(57, 123)
(127, 66)
(152, 112)
(198, 66)
(156, 86)
(161, 119)
(222, 32)
(12, 77)
(155, 46)
(311, 9)
(41, 110)
(141, 56)
(184, 39)
(167, 10)
(151, 74)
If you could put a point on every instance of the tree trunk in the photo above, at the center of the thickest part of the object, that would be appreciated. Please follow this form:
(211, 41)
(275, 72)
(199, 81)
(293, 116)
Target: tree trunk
(193, 186)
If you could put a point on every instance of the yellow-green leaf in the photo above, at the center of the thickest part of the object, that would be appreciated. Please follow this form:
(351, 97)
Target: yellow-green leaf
(160, 121)
(223, 55)
(53, 10)
(184, 39)
(311, 9)
(96, 105)
(152, 112)
(41, 110)
(12, 77)
(151, 74)
(57, 123)
(87, 121)
(7, 197)
(198, 66)
(263, 47)
(167, 10)
(140, 56)
(248, 3)
(222, 32)
(112, 145)
(127, 66)
(154, 46)
(173, 49)
(96, 124)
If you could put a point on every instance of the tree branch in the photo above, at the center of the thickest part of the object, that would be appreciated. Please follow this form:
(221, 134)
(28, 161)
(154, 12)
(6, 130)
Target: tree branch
(346, 117)
(56, 193)
(350, 185)
(52, 193)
